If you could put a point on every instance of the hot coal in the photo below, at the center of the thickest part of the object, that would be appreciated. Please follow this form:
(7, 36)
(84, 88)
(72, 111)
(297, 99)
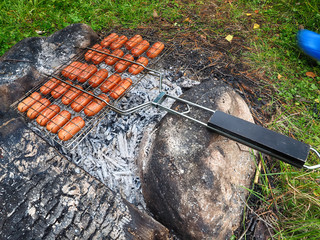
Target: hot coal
(109, 152)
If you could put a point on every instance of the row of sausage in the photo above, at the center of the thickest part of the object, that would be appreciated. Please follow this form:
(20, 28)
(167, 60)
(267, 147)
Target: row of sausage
(51, 117)
(39, 108)
(115, 86)
(137, 46)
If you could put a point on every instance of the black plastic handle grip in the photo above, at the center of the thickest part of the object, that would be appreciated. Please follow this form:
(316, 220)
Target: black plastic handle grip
(274, 144)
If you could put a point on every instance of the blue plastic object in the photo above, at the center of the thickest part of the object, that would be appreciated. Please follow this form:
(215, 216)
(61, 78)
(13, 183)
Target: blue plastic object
(309, 42)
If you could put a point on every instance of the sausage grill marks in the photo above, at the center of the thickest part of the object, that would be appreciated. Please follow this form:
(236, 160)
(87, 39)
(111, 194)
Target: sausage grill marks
(71, 128)
(119, 90)
(118, 43)
(71, 94)
(112, 60)
(29, 101)
(135, 68)
(47, 114)
(49, 86)
(62, 107)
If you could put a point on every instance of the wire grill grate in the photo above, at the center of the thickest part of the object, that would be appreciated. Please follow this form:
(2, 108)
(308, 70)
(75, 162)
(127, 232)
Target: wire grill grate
(84, 76)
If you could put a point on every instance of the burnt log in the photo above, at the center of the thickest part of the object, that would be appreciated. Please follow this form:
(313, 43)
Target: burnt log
(193, 179)
(44, 196)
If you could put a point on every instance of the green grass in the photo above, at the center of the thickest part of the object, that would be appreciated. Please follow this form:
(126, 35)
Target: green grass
(27, 18)
(295, 194)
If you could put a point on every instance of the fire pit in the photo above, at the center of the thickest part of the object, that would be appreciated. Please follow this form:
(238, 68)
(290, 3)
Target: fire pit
(106, 144)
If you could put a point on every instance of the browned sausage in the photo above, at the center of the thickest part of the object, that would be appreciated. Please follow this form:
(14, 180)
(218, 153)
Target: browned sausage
(71, 128)
(121, 88)
(122, 65)
(96, 105)
(29, 101)
(71, 95)
(90, 53)
(155, 50)
(99, 57)
(78, 71)
(75, 68)
(133, 41)
(58, 121)
(118, 43)
(67, 70)
(37, 107)
(87, 73)
(135, 68)
(112, 60)
(140, 48)
(47, 114)
(98, 77)
(48, 86)
(109, 39)
(81, 101)
(111, 82)
(61, 89)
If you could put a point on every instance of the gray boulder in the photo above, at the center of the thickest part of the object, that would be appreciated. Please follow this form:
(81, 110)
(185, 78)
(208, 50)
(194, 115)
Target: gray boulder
(194, 179)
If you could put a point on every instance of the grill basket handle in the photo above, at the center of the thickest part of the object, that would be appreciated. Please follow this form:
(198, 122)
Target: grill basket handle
(274, 144)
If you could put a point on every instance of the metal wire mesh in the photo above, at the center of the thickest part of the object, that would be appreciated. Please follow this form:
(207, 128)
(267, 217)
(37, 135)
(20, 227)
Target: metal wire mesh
(69, 103)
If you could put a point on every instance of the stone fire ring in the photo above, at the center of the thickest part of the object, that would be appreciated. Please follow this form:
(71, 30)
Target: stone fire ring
(193, 180)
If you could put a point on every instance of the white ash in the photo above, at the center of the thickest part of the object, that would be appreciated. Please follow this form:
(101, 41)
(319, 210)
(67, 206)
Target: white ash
(51, 56)
(109, 151)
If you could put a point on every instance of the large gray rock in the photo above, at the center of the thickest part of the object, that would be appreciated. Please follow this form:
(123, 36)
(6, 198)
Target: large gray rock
(21, 66)
(194, 179)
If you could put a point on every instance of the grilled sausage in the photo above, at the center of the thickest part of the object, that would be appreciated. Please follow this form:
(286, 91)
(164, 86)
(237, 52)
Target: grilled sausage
(109, 39)
(135, 68)
(140, 48)
(29, 101)
(48, 86)
(133, 41)
(98, 77)
(61, 89)
(111, 82)
(71, 128)
(71, 95)
(90, 53)
(121, 88)
(118, 43)
(47, 114)
(78, 67)
(37, 107)
(96, 105)
(112, 60)
(67, 70)
(87, 73)
(155, 50)
(58, 121)
(78, 71)
(99, 57)
(81, 101)
(122, 65)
